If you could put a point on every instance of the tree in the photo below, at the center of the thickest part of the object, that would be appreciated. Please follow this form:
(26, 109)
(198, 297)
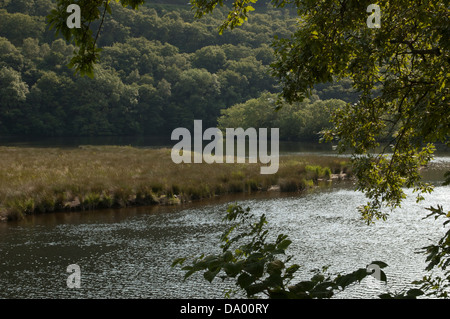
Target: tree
(297, 121)
(13, 92)
(84, 38)
(30, 48)
(408, 57)
(400, 72)
(342, 89)
(150, 109)
(199, 90)
(234, 87)
(212, 58)
(255, 72)
(18, 26)
(10, 55)
(48, 102)
(22, 6)
(42, 7)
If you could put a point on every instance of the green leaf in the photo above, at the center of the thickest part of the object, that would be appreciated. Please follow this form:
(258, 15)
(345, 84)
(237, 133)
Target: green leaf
(345, 280)
(245, 280)
(210, 275)
(256, 289)
(274, 280)
(302, 286)
(318, 278)
(178, 261)
(381, 264)
(227, 256)
(275, 267)
(255, 268)
(414, 293)
(232, 269)
(292, 269)
(284, 244)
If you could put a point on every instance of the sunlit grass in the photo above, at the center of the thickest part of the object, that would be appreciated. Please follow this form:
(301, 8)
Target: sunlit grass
(40, 180)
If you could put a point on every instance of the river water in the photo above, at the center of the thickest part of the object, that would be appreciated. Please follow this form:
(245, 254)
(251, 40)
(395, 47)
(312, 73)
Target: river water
(128, 253)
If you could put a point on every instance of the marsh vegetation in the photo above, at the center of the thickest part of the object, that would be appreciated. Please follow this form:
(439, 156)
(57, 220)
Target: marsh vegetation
(42, 180)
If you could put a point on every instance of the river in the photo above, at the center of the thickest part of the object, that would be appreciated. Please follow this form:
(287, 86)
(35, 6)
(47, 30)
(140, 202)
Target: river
(127, 253)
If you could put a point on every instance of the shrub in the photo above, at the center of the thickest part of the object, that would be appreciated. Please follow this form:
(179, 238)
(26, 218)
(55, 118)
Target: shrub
(313, 172)
(91, 200)
(327, 172)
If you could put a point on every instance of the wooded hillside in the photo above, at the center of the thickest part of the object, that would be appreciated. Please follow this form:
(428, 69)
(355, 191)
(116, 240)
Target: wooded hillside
(160, 69)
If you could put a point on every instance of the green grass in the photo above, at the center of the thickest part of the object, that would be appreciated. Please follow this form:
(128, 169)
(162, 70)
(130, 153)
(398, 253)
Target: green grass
(42, 180)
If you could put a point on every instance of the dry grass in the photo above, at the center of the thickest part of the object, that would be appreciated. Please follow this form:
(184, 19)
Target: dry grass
(39, 180)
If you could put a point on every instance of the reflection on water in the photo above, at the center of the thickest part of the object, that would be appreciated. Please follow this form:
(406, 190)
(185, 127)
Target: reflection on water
(146, 142)
(442, 152)
(69, 142)
(127, 253)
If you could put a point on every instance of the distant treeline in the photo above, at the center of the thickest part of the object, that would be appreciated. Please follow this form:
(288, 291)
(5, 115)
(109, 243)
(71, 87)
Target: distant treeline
(160, 69)
(297, 121)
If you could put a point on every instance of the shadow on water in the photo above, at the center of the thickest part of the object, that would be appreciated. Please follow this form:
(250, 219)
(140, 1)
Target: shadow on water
(73, 142)
(120, 214)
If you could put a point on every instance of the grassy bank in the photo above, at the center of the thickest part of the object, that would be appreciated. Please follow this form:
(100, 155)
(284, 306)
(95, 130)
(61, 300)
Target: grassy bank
(41, 180)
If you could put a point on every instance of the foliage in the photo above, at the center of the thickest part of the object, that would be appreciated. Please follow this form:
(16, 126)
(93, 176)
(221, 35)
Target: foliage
(438, 257)
(88, 53)
(400, 71)
(259, 265)
(38, 180)
(410, 64)
(297, 121)
(158, 69)
(155, 71)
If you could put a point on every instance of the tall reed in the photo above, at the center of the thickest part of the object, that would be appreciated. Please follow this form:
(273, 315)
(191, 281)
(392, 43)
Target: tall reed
(42, 180)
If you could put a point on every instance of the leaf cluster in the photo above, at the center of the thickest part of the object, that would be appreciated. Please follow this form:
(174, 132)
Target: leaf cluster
(400, 71)
(259, 265)
(438, 257)
(85, 38)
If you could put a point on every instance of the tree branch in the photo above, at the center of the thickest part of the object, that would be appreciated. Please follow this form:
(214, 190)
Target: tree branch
(101, 24)
(433, 51)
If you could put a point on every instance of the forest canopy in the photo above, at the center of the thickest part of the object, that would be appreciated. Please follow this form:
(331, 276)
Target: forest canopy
(160, 68)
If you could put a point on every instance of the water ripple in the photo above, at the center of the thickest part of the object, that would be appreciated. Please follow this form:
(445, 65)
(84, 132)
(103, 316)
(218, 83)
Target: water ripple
(130, 257)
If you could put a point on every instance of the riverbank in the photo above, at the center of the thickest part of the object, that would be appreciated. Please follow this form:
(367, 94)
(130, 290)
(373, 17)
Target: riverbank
(44, 180)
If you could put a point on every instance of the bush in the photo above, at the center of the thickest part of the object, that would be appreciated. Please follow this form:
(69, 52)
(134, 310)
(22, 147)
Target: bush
(327, 172)
(313, 172)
